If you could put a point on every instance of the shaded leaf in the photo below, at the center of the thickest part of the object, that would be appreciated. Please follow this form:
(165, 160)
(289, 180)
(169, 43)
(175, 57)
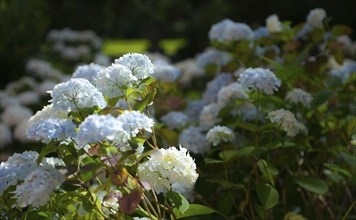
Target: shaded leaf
(129, 202)
(313, 184)
(193, 210)
(267, 195)
(180, 203)
(233, 154)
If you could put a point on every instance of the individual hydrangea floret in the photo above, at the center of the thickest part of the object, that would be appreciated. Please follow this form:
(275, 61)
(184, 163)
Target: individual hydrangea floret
(165, 72)
(140, 65)
(51, 129)
(169, 169)
(16, 168)
(287, 121)
(194, 140)
(76, 94)
(38, 186)
(219, 134)
(230, 93)
(213, 56)
(315, 18)
(175, 120)
(87, 71)
(96, 128)
(227, 30)
(209, 115)
(134, 121)
(213, 87)
(110, 81)
(260, 79)
(299, 96)
(273, 24)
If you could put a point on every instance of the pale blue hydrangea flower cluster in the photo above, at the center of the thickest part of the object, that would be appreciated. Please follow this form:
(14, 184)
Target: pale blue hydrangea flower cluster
(347, 69)
(299, 96)
(219, 134)
(230, 93)
(76, 94)
(209, 115)
(273, 24)
(96, 128)
(38, 186)
(211, 92)
(212, 56)
(287, 121)
(194, 140)
(175, 120)
(16, 168)
(166, 72)
(227, 30)
(169, 169)
(260, 79)
(87, 71)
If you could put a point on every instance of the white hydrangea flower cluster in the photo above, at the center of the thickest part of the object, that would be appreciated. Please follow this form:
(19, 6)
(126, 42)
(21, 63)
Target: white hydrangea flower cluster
(190, 70)
(209, 115)
(165, 72)
(87, 71)
(169, 169)
(43, 69)
(218, 134)
(16, 168)
(96, 128)
(76, 93)
(227, 30)
(287, 121)
(213, 56)
(260, 79)
(194, 140)
(315, 18)
(38, 185)
(5, 135)
(110, 80)
(175, 120)
(140, 65)
(299, 96)
(230, 93)
(15, 114)
(273, 24)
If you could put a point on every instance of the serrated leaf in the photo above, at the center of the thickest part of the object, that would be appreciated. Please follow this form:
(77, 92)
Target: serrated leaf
(193, 210)
(267, 195)
(313, 184)
(180, 203)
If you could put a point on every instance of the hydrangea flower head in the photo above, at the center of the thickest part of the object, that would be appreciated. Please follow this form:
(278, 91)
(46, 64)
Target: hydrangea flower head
(16, 168)
(134, 121)
(315, 18)
(299, 96)
(273, 24)
(227, 30)
(213, 56)
(96, 128)
(218, 134)
(194, 140)
(76, 93)
(87, 71)
(209, 115)
(175, 119)
(214, 86)
(140, 65)
(287, 121)
(169, 169)
(230, 93)
(260, 79)
(111, 80)
(166, 72)
(38, 185)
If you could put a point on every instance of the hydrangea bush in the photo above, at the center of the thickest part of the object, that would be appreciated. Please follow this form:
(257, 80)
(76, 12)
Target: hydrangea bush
(263, 122)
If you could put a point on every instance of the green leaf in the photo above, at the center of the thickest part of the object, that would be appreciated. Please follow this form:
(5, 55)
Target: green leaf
(233, 154)
(212, 161)
(267, 195)
(48, 148)
(321, 97)
(341, 29)
(313, 184)
(267, 171)
(140, 106)
(193, 210)
(245, 125)
(178, 201)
